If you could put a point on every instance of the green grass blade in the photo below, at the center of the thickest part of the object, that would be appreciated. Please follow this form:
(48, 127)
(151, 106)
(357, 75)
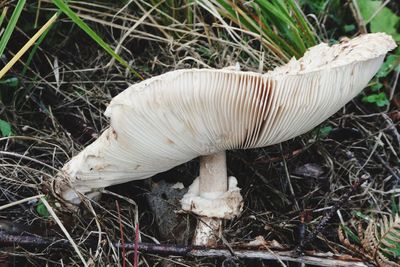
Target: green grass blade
(280, 42)
(303, 24)
(244, 19)
(190, 12)
(78, 21)
(11, 25)
(3, 15)
(26, 46)
(352, 236)
(279, 16)
(35, 48)
(284, 29)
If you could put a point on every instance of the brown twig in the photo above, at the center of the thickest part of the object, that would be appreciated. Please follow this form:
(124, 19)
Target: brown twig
(135, 255)
(319, 259)
(390, 169)
(121, 229)
(358, 17)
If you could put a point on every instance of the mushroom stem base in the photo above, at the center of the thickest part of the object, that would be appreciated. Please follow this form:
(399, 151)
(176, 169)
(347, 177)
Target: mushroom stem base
(224, 205)
(207, 232)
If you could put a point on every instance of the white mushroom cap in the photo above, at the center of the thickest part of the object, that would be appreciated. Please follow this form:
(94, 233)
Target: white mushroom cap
(170, 119)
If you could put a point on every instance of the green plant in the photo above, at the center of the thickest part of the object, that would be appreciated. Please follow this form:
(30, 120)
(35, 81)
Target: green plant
(5, 37)
(379, 241)
(41, 209)
(40, 35)
(27, 45)
(5, 128)
(36, 46)
(78, 21)
(10, 82)
(379, 99)
(283, 28)
(379, 17)
(377, 95)
(11, 25)
(172, 11)
(324, 131)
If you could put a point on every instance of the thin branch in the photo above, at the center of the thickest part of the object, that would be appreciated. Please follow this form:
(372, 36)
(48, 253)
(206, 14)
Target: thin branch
(136, 249)
(121, 230)
(319, 259)
(6, 206)
(358, 17)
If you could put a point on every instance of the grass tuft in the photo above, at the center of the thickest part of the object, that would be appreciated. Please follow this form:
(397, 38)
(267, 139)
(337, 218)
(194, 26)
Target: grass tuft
(11, 25)
(78, 21)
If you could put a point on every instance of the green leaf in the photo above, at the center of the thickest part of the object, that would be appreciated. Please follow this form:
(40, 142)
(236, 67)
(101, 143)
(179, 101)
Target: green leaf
(384, 21)
(10, 82)
(349, 27)
(325, 131)
(375, 87)
(42, 210)
(379, 100)
(78, 21)
(5, 128)
(391, 63)
(389, 235)
(395, 251)
(11, 25)
(35, 48)
(360, 215)
(352, 236)
(368, 7)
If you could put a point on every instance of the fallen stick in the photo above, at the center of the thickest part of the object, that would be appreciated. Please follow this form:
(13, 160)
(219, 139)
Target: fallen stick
(320, 259)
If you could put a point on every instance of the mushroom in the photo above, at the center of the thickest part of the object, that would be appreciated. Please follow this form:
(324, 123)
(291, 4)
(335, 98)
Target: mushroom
(170, 119)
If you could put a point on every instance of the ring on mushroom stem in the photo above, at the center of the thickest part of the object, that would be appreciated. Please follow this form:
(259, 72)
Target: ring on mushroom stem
(214, 197)
(170, 119)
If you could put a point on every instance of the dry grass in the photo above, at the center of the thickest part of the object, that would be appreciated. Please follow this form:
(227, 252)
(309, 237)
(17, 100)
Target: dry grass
(57, 110)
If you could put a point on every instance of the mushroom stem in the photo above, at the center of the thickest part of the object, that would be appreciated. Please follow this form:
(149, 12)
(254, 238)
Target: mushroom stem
(213, 175)
(208, 231)
(213, 182)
